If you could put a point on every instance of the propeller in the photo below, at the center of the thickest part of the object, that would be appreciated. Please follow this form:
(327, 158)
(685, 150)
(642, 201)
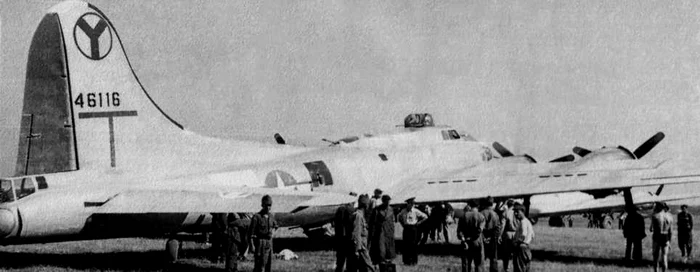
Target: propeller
(567, 158)
(648, 145)
(279, 139)
(502, 150)
(506, 153)
(581, 151)
(638, 153)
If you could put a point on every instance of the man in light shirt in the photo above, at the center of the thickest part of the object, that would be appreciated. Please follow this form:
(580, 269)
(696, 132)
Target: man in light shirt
(410, 218)
(521, 240)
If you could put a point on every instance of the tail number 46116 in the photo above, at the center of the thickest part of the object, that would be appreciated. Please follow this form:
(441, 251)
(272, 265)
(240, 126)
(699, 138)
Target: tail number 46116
(99, 100)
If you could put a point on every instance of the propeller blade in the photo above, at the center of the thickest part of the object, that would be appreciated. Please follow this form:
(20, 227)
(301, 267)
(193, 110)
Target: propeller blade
(661, 188)
(648, 145)
(566, 158)
(279, 139)
(581, 151)
(502, 150)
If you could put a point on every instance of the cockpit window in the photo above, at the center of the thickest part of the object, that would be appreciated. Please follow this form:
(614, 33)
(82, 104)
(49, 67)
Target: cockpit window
(24, 187)
(6, 194)
(450, 135)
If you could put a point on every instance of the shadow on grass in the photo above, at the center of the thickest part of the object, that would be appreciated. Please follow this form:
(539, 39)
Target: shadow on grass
(194, 259)
(553, 256)
(141, 261)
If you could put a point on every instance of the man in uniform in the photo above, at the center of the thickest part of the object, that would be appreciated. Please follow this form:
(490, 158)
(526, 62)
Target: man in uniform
(233, 240)
(469, 231)
(410, 219)
(660, 228)
(381, 235)
(343, 236)
(521, 241)
(262, 225)
(508, 227)
(685, 232)
(634, 231)
(218, 235)
(491, 233)
(361, 258)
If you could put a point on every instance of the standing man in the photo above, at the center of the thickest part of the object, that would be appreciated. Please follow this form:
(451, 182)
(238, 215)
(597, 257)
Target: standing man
(491, 233)
(661, 236)
(469, 231)
(381, 222)
(343, 236)
(233, 240)
(522, 239)
(634, 231)
(361, 259)
(410, 218)
(508, 227)
(218, 235)
(375, 200)
(262, 226)
(685, 232)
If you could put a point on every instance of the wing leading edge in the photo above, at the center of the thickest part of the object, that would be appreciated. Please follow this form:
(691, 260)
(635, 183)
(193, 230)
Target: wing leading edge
(461, 187)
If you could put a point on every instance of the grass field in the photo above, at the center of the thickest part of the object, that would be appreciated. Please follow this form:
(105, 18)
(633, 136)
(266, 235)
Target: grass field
(554, 249)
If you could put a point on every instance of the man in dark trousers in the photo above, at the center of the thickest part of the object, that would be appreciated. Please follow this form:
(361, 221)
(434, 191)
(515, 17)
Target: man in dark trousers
(521, 240)
(491, 233)
(360, 232)
(685, 233)
(469, 232)
(410, 219)
(233, 240)
(262, 225)
(218, 236)
(381, 235)
(343, 236)
(634, 231)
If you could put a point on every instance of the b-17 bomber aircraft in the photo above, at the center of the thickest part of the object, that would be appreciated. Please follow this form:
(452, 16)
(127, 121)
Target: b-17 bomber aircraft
(113, 164)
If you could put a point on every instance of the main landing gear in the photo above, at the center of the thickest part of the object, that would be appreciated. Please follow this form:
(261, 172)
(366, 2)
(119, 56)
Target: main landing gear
(172, 249)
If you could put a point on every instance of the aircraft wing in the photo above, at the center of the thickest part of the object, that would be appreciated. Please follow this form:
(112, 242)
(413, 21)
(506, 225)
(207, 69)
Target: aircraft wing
(240, 200)
(466, 185)
(612, 203)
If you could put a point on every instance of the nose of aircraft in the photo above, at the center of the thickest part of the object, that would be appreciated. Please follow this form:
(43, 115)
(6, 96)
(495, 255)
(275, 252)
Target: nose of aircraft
(7, 222)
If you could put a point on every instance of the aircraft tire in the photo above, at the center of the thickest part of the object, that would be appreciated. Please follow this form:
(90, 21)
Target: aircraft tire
(172, 248)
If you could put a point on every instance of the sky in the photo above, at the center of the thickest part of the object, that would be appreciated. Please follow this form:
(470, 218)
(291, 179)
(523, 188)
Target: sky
(538, 76)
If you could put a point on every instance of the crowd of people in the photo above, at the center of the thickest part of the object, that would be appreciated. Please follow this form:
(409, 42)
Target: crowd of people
(365, 234)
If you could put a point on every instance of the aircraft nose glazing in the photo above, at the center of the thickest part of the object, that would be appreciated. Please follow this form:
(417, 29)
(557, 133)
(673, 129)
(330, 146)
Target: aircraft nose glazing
(7, 222)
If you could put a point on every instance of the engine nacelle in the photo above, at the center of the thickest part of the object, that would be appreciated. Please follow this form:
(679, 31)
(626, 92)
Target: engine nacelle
(606, 154)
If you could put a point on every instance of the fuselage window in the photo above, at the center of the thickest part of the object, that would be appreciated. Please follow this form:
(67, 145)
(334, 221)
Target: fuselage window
(6, 193)
(454, 135)
(41, 181)
(24, 187)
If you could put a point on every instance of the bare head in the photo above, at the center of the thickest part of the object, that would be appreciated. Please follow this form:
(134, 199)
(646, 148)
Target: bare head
(386, 199)
(362, 201)
(266, 203)
(684, 207)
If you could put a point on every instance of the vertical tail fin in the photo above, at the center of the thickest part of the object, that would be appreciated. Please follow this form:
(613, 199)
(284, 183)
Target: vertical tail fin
(85, 106)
